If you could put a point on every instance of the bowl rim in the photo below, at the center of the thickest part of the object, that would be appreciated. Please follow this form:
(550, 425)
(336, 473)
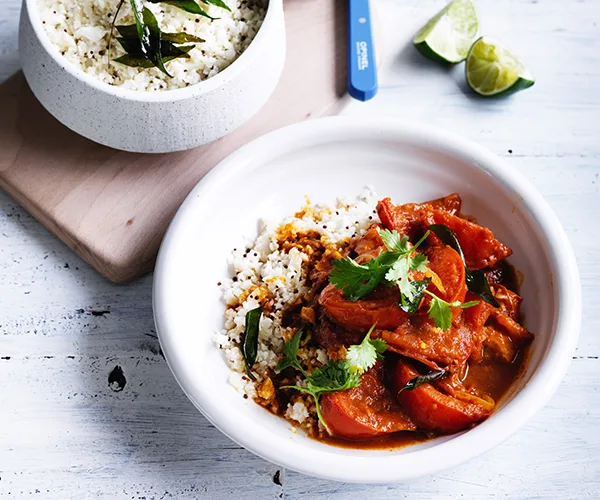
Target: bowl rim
(238, 66)
(462, 447)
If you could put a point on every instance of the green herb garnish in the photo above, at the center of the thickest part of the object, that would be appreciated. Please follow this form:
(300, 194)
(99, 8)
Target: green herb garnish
(193, 7)
(363, 356)
(418, 289)
(432, 376)
(290, 354)
(250, 345)
(440, 311)
(146, 46)
(335, 375)
(477, 282)
(359, 280)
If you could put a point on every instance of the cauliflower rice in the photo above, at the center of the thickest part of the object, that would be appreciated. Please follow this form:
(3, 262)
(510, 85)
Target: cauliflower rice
(80, 31)
(270, 274)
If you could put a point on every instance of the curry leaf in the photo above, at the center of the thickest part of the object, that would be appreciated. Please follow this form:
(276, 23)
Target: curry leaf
(218, 3)
(250, 345)
(187, 5)
(432, 376)
(129, 31)
(137, 6)
(477, 282)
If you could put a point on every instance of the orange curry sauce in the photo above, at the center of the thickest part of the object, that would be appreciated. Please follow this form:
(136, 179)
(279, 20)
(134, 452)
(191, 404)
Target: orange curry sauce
(483, 352)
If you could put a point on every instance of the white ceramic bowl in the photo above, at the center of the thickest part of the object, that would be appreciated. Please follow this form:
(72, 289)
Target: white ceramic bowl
(327, 158)
(165, 121)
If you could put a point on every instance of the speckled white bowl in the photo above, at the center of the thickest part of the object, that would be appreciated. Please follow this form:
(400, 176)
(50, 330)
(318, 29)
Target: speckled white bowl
(153, 122)
(334, 157)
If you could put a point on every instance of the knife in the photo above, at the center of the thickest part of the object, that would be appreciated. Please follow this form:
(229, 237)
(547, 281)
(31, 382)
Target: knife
(362, 68)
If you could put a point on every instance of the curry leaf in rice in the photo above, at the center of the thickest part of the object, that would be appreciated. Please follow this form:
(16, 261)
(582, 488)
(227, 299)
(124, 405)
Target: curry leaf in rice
(192, 7)
(250, 345)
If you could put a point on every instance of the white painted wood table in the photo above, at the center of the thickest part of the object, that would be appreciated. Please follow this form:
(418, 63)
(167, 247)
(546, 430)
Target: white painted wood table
(66, 434)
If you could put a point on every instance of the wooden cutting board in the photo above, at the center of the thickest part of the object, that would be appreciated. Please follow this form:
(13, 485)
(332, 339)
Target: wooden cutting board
(111, 207)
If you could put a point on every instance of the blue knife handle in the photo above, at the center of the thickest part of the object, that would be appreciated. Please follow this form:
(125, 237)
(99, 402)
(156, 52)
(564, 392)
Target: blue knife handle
(362, 68)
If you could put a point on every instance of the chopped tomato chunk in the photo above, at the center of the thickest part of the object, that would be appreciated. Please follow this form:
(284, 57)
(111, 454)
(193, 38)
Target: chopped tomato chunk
(480, 247)
(419, 339)
(431, 409)
(379, 307)
(448, 265)
(406, 219)
(366, 411)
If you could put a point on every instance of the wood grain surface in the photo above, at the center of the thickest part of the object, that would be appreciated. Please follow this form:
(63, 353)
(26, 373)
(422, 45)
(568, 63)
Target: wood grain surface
(113, 208)
(66, 434)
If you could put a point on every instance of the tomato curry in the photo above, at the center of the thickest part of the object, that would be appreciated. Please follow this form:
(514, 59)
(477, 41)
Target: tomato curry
(430, 380)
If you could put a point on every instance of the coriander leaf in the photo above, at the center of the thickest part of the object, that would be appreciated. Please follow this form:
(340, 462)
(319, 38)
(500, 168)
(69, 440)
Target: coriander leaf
(392, 241)
(380, 346)
(399, 274)
(477, 282)
(423, 379)
(363, 356)
(465, 305)
(418, 289)
(418, 263)
(334, 376)
(439, 311)
(423, 238)
(250, 345)
(357, 280)
(290, 352)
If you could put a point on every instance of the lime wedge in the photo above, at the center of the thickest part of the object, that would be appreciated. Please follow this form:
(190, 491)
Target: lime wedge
(493, 70)
(448, 36)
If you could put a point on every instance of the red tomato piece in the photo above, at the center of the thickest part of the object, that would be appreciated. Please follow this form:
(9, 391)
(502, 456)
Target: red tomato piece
(419, 339)
(406, 218)
(366, 411)
(480, 247)
(381, 307)
(447, 264)
(432, 410)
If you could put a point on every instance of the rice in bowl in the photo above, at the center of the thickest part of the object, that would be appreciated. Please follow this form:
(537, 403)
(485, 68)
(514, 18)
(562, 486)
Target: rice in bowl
(273, 272)
(80, 31)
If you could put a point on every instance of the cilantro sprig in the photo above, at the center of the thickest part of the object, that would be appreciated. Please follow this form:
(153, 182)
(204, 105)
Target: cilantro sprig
(335, 375)
(392, 266)
(440, 311)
